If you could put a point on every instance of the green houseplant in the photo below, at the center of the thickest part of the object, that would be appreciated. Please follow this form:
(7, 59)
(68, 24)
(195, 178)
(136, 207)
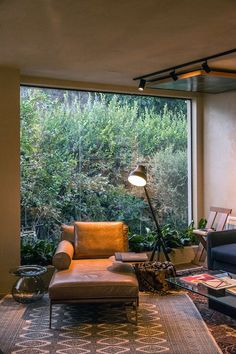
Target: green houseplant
(37, 251)
(145, 242)
(173, 238)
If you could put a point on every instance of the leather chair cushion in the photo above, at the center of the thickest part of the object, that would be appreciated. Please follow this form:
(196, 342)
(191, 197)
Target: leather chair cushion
(225, 253)
(99, 239)
(94, 279)
(63, 255)
(67, 233)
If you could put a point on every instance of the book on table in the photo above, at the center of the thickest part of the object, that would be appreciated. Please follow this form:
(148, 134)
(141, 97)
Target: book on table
(131, 257)
(232, 290)
(217, 281)
(220, 283)
(197, 278)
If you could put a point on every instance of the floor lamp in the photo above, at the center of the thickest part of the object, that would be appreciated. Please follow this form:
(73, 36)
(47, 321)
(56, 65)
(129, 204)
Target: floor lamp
(138, 178)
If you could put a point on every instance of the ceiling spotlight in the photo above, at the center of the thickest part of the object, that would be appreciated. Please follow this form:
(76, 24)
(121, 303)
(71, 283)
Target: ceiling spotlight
(174, 75)
(206, 67)
(142, 84)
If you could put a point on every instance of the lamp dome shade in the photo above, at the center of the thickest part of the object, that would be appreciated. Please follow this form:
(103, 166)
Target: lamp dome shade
(138, 177)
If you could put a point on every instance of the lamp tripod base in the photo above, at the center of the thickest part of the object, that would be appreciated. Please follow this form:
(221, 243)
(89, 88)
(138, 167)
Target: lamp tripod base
(158, 248)
(159, 243)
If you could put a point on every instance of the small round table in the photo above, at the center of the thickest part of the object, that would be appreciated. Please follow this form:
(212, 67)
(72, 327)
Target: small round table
(29, 287)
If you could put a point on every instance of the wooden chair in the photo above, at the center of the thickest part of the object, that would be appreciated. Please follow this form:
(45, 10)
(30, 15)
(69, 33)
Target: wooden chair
(215, 222)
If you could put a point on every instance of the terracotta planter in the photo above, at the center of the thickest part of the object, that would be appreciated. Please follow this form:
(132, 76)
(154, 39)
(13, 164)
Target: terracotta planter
(180, 255)
(183, 255)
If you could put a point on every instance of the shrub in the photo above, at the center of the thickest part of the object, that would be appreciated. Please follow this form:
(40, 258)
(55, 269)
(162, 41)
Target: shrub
(37, 252)
(77, 149)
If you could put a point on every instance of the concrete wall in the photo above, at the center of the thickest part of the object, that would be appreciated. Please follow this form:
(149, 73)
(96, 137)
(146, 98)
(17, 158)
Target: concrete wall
(9, 175)
(220, 151)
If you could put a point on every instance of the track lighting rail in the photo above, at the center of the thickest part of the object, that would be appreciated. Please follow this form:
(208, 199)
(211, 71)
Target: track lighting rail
(173, 68)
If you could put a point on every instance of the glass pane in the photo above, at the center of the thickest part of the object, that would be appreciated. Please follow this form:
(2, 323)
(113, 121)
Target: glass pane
(77, 149)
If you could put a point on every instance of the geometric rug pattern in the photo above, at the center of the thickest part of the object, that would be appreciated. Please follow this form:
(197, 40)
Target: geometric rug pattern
(222, 327)
(166, 324)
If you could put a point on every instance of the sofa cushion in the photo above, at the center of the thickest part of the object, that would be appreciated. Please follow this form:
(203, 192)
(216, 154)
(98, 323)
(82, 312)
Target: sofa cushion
(98, 239)
(67, 233)
(225, 253)
(94, 279)
(63, 255)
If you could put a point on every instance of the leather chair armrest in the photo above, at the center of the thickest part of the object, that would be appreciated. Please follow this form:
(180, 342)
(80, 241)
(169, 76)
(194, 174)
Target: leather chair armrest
(63, 255)
(218, 238)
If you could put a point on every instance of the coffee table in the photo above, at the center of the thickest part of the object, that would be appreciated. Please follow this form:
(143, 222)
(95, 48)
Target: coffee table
(219, 300)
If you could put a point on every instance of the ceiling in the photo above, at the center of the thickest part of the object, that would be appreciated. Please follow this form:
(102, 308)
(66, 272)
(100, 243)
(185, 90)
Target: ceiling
(113, 41)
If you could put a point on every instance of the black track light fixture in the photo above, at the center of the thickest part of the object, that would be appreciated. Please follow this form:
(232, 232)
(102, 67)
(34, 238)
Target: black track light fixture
(206, 67)
(171, 70)
(142, 85)
(173, 75)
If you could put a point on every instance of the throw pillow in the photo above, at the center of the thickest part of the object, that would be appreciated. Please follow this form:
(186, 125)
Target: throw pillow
(63, 255)
(98, 239)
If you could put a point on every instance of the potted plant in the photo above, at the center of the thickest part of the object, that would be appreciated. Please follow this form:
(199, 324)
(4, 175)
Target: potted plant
(36, 251)
(181, 245)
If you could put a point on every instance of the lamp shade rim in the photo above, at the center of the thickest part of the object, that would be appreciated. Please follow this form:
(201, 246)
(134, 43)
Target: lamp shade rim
(138, 176)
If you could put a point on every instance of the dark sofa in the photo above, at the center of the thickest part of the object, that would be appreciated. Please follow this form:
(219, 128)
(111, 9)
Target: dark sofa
(221, 250)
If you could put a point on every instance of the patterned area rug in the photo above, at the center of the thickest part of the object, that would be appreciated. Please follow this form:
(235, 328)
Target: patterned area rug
(222, 327)
(166, 324)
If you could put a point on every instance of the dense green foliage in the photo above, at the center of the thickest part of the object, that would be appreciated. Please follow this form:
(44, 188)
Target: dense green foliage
(37, 251)
(77, 150)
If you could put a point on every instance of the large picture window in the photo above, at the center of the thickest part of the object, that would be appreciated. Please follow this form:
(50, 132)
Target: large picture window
(77, 149)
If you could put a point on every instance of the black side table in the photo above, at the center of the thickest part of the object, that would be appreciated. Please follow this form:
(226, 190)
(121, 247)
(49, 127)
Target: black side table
(29, 287)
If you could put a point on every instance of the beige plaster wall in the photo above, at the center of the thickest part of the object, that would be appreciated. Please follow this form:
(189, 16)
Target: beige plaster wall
(9, 175)
(220, 151)
(197, 160)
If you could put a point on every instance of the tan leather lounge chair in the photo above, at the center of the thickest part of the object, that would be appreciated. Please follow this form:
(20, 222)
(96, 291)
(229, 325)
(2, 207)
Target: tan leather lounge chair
(85, 273)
